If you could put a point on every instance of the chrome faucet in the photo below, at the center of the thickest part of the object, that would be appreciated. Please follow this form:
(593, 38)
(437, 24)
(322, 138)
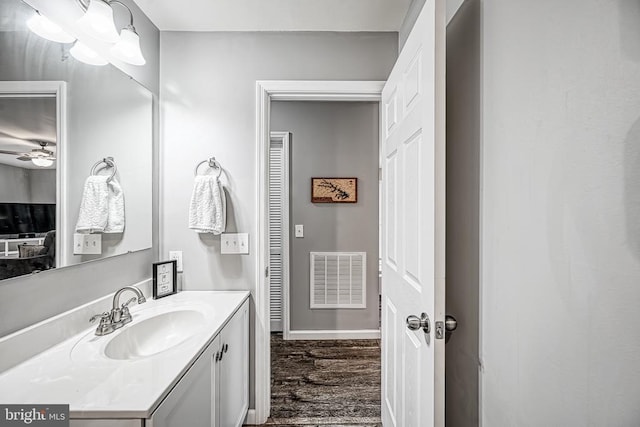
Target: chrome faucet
(119, 315)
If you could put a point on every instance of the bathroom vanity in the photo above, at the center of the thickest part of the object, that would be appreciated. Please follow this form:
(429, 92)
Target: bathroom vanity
(183, 360)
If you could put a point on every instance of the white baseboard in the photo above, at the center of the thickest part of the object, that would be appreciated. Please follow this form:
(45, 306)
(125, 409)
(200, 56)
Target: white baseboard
(251, 418)
(362, 334)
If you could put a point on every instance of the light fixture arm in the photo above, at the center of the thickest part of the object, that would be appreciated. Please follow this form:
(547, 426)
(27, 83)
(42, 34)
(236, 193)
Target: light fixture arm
(126, 7)
(82, 5)
(85, 6)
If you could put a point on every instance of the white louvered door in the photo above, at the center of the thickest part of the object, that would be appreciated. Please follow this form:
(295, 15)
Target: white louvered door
(278, 226)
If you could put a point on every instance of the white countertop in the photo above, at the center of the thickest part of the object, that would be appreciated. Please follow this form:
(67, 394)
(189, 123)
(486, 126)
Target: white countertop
(95, 386)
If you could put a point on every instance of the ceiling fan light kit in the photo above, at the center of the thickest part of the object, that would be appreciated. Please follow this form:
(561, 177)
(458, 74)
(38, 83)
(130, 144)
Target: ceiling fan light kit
(97, 23)
(40, 157)
(43, 162)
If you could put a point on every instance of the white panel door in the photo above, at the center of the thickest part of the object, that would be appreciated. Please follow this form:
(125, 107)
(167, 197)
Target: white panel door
(413, 156)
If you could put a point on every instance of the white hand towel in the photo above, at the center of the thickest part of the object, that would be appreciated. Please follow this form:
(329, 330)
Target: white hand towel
(208, 209)
(94, 212)
(115, 219)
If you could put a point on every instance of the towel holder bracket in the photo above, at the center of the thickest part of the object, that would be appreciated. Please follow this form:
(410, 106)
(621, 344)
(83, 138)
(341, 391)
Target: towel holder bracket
(109, 163)
(212, 163)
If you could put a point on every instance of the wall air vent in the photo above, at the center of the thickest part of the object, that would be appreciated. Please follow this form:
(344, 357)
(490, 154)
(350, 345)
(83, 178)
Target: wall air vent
(338, 279)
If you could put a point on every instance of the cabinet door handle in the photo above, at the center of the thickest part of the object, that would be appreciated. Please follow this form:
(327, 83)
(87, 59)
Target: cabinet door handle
(226, 348)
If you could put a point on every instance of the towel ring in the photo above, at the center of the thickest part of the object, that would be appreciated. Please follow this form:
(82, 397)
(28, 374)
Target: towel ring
(213, 164)
(108, 161)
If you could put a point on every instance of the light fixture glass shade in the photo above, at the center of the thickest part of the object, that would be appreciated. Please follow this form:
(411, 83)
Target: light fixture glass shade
(98, 22)
(127, 49)
(83, 53)
(42, 161)
(45, 28)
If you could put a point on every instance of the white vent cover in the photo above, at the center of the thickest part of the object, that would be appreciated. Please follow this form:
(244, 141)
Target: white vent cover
(338, 279)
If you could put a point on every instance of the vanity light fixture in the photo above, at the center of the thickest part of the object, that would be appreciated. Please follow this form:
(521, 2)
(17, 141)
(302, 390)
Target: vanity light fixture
(41, 161)
(84, 53)
(98, 22)
(127, 49)
(45, 28)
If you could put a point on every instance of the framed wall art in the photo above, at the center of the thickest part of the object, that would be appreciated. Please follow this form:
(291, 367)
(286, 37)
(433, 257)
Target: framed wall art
(165, 278)
(334, 190)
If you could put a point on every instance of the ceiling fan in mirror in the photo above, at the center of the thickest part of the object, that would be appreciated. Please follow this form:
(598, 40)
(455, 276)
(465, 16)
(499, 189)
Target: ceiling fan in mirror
(38, 156)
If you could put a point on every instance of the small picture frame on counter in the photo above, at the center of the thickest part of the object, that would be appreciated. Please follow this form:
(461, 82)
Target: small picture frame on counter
(165, 278)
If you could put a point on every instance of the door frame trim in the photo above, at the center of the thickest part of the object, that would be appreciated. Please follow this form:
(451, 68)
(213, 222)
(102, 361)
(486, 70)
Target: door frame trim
(283, 90)
(57, 89)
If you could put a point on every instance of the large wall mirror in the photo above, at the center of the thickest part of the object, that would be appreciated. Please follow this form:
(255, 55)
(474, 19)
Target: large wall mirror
(62, 121)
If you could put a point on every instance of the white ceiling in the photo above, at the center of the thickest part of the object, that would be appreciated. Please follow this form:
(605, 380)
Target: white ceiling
(276, 15)
(23, 122)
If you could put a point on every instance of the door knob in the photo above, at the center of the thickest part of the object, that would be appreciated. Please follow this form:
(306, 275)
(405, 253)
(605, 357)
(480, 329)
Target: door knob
(450, 323)
(414, 323)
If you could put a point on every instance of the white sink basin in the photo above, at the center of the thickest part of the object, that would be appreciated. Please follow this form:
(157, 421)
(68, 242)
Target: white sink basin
(154, 329)
(154, 334)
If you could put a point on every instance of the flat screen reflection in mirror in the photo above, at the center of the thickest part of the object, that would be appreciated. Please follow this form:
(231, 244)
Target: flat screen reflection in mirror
(29, 137)
(108, 114)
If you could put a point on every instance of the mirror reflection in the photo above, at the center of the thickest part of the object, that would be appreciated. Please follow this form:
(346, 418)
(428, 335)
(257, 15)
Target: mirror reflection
(46, 164)
(28, 192)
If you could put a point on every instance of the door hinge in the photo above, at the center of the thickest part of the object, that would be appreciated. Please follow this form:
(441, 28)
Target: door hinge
(266, 272)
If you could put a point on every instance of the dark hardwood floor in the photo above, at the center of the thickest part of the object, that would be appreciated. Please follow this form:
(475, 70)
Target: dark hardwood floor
(325, 383)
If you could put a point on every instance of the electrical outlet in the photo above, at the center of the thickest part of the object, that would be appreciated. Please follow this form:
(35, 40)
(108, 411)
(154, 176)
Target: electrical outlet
(299, 230)
(176, 255)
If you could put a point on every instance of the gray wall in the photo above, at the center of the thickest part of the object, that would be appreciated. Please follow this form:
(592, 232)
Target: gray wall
(21, 185)
(415, 7)
(463, 215)
(331, 139)
(560, 268)
(30, 299)
(208, 109)
(15, 184)
(42, 185)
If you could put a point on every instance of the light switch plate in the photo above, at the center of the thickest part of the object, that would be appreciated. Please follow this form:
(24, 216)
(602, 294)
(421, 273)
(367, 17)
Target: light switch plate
(234, 243)
(243, 243)
(299, 230)
(87, 244)
(176, 255)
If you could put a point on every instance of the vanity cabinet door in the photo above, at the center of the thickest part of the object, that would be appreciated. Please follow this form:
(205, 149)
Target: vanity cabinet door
(232, 385)
(190, 403)
(215, 390)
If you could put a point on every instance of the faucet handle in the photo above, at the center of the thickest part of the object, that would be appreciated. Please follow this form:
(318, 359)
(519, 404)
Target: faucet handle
(105, 327)
(126, 304)
(104, 317)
